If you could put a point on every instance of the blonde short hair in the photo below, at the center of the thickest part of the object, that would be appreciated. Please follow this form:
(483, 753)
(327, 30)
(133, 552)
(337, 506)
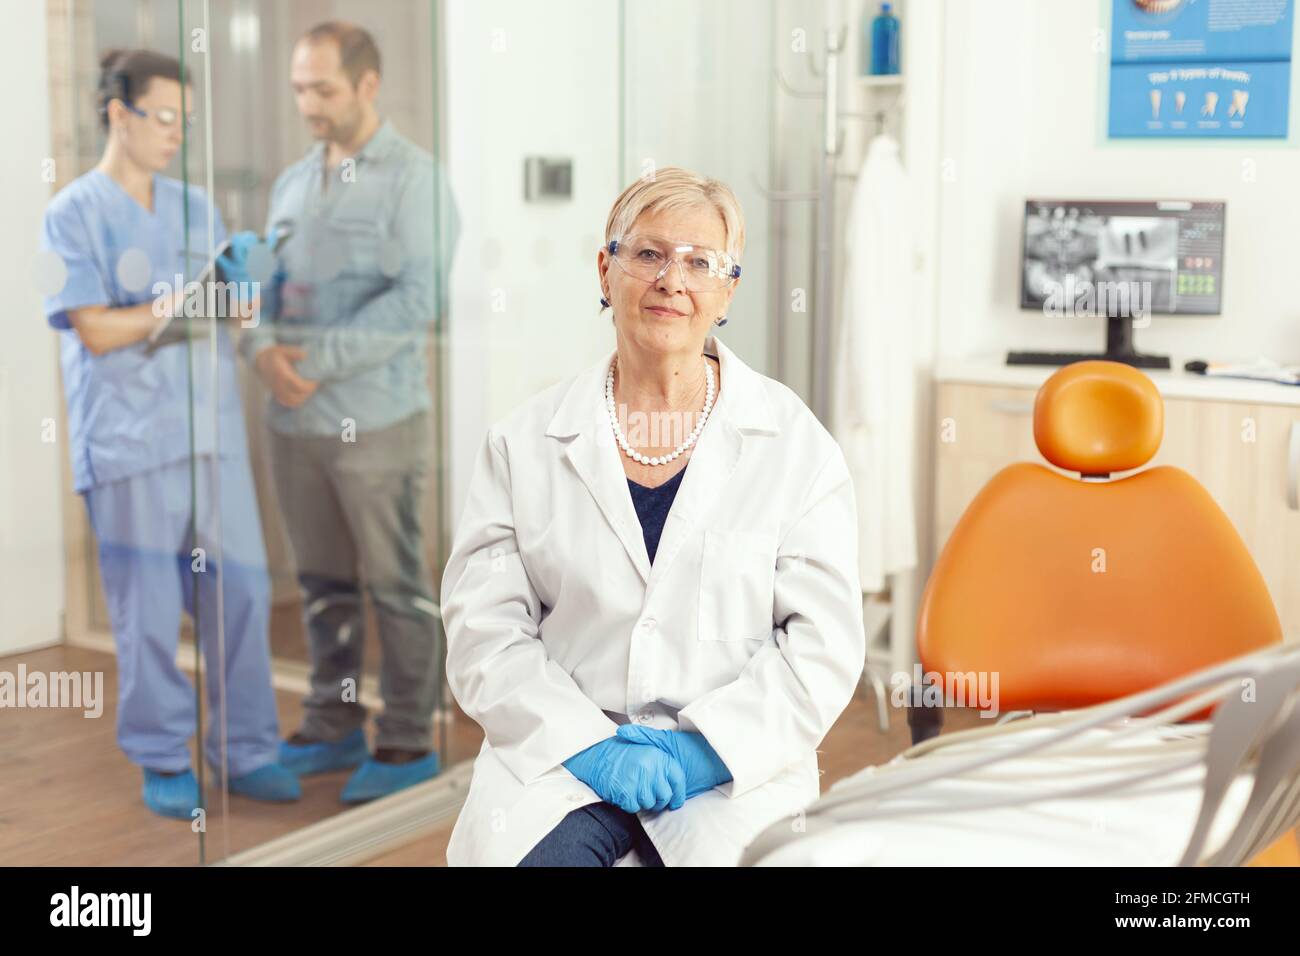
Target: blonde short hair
(673, 188)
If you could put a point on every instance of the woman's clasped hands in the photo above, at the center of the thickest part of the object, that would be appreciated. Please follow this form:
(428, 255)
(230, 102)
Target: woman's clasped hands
(641, 768)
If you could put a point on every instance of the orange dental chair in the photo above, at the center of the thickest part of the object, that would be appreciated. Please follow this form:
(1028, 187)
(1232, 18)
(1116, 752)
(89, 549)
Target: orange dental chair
(1077, 591)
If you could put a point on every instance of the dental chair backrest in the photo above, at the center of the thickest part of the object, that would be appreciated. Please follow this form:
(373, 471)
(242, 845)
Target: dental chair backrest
(1082, 590)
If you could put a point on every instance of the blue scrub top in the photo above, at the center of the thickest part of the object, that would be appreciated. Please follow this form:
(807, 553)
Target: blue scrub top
(128, 412)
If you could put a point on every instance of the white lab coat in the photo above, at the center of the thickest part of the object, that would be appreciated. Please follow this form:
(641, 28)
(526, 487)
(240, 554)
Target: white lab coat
(873, 379)
(748, 628)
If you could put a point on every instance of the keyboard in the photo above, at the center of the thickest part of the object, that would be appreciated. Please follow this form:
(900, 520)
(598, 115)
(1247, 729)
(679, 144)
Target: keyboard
(1066, 358)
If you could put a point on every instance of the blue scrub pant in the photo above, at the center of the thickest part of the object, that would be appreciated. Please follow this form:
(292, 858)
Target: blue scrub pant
(142, 524)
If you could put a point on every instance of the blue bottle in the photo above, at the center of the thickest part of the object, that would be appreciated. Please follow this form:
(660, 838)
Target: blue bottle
(884, 42)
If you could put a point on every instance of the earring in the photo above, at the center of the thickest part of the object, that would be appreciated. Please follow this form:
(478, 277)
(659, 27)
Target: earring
(604, 302)
(720, 320)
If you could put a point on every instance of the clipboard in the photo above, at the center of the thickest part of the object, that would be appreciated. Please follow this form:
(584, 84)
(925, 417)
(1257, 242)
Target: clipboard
(168, 331)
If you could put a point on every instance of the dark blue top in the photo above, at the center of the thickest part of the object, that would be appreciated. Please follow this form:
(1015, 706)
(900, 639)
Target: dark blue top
(652, 506)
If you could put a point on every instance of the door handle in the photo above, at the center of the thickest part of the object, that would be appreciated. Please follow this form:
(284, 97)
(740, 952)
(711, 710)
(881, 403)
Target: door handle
(1011, 406)
(1293, 469)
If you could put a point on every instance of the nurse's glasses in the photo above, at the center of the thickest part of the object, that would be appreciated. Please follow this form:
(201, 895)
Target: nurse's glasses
(164, 116)
(648, 257)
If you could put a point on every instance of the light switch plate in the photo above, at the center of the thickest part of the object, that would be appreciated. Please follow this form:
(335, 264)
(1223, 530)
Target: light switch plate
(547, 178)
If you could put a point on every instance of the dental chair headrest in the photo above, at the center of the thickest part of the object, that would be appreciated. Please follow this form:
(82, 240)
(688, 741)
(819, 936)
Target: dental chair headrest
(1098, 417)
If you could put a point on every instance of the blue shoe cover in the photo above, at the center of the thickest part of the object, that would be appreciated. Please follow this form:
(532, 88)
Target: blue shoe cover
(268, 782)
(171, 796)
(343, 754)
(374, 779)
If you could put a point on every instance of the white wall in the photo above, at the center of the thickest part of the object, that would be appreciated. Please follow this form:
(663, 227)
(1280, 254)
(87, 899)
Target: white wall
(698, 95)
(1021, 83)
(527, 78)
(31, 521)
(524, 81)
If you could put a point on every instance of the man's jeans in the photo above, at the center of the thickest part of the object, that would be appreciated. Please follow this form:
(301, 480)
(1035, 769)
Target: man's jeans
(353, 513)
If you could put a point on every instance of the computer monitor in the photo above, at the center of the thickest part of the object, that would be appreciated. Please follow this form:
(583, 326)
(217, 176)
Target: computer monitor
(1119, 260)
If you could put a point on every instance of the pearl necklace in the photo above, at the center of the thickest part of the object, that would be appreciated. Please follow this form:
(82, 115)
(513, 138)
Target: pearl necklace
(631, 452)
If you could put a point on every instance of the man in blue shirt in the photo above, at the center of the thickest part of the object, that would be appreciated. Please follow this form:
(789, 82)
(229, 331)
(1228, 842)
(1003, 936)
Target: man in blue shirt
(342, 347)
(118, 232)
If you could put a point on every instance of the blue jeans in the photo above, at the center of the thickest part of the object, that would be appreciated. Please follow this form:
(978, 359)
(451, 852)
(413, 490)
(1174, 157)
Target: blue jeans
(594, 835)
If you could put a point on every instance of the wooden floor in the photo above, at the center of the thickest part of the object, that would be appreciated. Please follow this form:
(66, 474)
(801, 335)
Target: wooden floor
(69, 797)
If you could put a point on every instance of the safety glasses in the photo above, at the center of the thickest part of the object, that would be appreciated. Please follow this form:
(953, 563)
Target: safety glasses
(648, 257)
(164, 116)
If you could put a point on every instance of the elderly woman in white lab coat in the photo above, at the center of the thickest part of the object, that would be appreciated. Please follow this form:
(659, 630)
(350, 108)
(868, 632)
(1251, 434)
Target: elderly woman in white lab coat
(652, 603)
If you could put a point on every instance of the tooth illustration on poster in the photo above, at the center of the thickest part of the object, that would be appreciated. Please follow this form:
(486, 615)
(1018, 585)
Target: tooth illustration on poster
(1174, 62)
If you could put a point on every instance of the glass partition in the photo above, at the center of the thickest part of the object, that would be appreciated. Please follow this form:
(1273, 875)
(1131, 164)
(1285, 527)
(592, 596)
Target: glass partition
(326, 162)
(119, 241)
(266, 521)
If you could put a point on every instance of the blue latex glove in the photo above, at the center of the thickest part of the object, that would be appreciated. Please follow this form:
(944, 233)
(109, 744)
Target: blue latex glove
(234, 261)
(700, 763)
(233, 265)
(630, 776)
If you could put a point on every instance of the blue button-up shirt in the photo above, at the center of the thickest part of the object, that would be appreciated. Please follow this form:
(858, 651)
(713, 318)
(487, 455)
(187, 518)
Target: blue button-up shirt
(365, 269)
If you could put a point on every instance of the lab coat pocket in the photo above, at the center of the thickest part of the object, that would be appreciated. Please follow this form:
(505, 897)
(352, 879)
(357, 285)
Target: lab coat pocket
(736, 585)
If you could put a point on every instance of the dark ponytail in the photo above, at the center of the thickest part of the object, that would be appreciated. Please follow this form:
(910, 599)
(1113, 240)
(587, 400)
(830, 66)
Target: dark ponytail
(125, 74)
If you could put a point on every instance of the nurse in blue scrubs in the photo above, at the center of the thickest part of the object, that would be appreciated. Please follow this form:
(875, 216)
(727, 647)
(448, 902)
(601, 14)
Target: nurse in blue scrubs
(119, 231)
